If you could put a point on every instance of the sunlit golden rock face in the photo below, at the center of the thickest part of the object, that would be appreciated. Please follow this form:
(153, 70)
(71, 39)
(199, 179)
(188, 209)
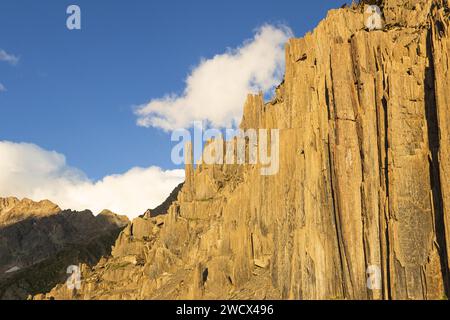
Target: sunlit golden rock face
(363, 182)
(13, 210)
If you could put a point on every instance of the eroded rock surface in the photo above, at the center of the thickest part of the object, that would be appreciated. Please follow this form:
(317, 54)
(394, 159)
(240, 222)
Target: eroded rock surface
(38, 241)
(363, 182)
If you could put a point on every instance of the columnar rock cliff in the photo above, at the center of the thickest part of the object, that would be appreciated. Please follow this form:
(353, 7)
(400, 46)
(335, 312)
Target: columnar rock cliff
(363, 182)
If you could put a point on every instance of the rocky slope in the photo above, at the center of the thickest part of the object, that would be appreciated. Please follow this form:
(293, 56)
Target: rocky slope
(13, 210)
(38, 241)
(363, 183)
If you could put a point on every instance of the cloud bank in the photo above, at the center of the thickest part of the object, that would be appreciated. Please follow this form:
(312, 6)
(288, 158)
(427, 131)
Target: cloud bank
(9, 58)
(217, 88)
(2, 88)
(26, 170)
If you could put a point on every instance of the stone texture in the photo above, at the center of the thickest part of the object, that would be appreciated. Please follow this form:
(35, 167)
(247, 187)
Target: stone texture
(38, 242)
(13, 210)
(363, 180)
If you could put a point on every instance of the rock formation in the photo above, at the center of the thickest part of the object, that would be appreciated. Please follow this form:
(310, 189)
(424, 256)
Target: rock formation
(38, 241)
(164, 207)
(13, 210)
(363, 185)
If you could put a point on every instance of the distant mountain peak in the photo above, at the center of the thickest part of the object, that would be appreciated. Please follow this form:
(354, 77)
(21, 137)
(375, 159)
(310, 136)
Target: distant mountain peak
(13, 210)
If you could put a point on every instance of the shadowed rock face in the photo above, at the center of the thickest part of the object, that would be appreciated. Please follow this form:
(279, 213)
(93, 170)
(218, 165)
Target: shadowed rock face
(38, 242)
(363, 183)
(164, 207)
(371, 2)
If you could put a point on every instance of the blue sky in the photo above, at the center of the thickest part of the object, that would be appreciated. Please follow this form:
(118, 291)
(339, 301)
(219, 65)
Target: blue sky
(73, 91)
(69, 131)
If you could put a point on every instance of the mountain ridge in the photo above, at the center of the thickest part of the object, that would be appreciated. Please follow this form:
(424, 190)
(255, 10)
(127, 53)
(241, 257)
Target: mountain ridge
(36, 237)
(362, 188)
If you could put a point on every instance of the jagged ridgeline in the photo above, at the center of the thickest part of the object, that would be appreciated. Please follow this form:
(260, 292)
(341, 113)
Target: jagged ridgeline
(38, 241)
(363, 185)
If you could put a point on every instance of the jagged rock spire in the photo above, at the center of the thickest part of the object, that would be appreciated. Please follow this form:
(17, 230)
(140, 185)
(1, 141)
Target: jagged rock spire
(362, 187)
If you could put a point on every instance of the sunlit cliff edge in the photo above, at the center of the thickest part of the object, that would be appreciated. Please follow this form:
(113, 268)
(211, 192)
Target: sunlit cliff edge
(363, 182)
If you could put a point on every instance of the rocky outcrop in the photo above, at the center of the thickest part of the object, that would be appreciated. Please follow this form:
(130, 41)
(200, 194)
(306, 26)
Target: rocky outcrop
(164, 207)
(38, 242)
(13, 210)
(363, 182)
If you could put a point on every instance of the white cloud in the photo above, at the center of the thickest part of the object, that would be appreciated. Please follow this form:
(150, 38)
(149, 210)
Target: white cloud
(2, 88)
(7, 57)
(27, 170)
(217, 88)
